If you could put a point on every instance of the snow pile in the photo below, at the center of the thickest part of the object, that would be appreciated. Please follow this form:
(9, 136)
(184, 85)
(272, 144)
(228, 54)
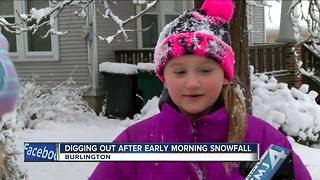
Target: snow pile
(39, 14)
(7, 144)
(294, 111)
(309, 72)
(150, 109)
(146, 66)
(118, 68)
(61, 103)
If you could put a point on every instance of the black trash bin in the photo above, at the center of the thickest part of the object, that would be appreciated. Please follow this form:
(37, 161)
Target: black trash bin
(148, 83)
(120, 94)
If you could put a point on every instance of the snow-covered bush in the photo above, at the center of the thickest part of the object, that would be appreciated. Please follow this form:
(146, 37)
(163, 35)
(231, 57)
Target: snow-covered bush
(11, 169)
(61, 103)
(293, 111)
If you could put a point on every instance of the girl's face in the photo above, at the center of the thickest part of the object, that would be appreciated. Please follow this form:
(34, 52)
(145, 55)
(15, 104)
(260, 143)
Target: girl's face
(194, 83)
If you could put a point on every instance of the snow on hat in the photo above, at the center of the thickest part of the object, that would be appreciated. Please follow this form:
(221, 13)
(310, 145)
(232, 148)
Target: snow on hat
(203, 32)
(8, 79)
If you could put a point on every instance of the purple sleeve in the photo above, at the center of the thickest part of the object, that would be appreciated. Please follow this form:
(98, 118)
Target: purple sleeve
(300, 171)
(259, 131)
(104, 171)
(111, 170)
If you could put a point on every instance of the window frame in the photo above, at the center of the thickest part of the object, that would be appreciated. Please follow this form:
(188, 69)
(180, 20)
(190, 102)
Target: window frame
(139, 24)
(11, 16)
(23, 54)
(161, 13)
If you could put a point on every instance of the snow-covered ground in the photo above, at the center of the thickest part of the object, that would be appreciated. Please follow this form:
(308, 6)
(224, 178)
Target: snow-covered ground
(310, 157)
(97, 130)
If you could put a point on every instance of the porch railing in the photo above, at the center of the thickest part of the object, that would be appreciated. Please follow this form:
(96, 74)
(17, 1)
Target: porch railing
(264, 57)
(134, 56)
(310, 59)
(268, 57)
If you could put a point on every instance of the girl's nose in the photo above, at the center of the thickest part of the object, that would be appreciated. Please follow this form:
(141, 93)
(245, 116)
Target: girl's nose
(192, 83)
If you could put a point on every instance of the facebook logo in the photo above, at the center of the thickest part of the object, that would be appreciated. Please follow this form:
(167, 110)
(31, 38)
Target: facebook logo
(40, 152)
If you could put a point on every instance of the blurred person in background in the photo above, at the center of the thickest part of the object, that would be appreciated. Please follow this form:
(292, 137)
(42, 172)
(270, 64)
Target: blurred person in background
(9, 85)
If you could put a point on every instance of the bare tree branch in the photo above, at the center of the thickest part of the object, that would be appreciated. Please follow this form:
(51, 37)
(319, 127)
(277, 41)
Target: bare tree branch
(109, 39)
(37, 18)
(122, 23)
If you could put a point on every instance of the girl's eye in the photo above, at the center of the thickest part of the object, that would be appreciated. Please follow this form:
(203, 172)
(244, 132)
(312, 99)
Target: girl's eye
(179, 72)
(205, 70)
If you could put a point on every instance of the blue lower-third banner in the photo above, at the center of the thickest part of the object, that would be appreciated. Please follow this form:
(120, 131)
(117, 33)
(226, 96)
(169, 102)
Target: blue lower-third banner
(141, 152)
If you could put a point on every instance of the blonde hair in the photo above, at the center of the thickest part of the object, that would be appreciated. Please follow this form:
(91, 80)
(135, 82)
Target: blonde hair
(236, 110)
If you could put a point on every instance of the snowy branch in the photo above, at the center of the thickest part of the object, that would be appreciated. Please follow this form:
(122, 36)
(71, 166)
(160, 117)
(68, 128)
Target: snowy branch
(121, 23)
(38, 18)
(311, 18)
(109, 39)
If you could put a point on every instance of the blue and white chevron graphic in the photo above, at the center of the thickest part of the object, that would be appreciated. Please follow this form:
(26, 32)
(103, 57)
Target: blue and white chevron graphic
(269, 163)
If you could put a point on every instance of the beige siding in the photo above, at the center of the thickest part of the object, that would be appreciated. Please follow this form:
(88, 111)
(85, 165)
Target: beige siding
(106, 27)
(257, 33)
(72, 57)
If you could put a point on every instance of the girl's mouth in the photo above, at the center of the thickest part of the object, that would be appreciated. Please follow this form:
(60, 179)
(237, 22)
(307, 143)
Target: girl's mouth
(194, 95)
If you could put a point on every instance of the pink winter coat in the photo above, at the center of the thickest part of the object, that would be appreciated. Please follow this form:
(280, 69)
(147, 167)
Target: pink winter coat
(171, 126)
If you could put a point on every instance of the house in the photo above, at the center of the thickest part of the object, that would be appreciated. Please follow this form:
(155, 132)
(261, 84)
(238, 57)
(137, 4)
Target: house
(79, 53)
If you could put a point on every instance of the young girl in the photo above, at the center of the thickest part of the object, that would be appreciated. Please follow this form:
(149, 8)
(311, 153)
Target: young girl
(195, 61)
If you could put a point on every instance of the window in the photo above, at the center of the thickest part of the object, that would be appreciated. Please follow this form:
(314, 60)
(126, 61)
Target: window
(149, 37)
(160, 15)
(35, 42)
(27, 46)
(7, 11)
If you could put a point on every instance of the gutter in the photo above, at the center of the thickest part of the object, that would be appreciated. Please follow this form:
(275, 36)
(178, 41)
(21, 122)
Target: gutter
(88, 34)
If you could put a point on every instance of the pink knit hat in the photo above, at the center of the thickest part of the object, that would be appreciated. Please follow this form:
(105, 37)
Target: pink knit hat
(203, 32)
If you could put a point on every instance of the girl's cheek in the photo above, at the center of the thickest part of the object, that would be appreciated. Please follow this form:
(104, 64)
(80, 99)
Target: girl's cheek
(165, 83)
